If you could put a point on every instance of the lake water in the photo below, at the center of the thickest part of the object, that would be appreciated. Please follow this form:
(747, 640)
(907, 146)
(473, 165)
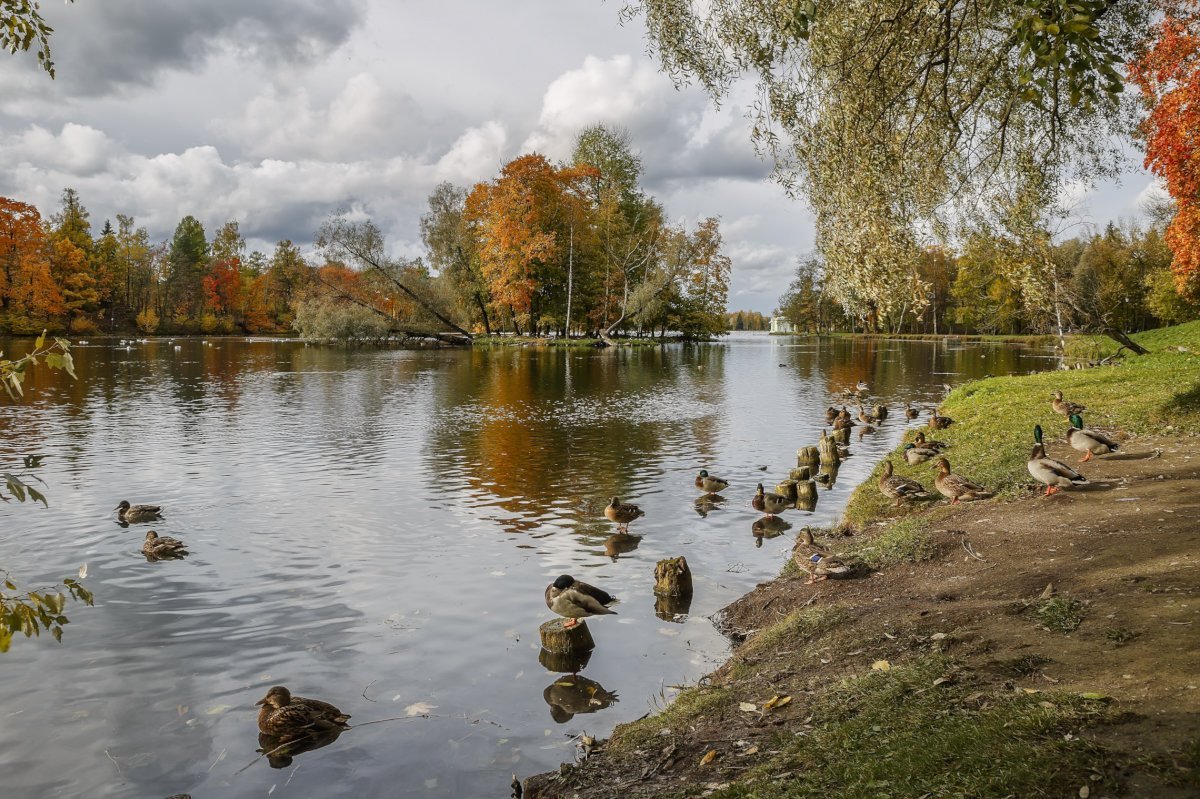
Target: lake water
(376, 527)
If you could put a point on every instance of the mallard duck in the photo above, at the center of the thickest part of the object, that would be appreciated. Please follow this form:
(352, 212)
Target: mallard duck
(920, 441)
(1065, 407)
(861, 387)
(899, 488)
(864, 417)
(161, 547)
(709, 484)
(910, 412)
(768, 502)
(880, 412)
(830, 414)
(914, 454)
(132, 514)
(843, 424)
(1054, 474)
(955, 486)
(622, 512)
(1089, 442)
(574, 600)
(287, 717)
(819, 564)
(938, 422)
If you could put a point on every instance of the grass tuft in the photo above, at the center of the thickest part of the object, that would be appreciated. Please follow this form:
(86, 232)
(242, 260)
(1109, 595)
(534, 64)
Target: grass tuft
(1060, 614)
(905, 541)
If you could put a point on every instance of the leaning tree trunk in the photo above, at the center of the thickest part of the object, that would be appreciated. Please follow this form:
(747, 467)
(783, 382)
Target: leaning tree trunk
(1118, 335)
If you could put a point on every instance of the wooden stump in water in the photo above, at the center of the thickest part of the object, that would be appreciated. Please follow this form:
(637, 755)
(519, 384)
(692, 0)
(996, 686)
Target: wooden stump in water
(672, 577)
(566, 640)
(828, 451)
(841, 436)
(800, 473)
(672, 608)
(564, 662)
(880, 412)
(787, 489)
(808, 456)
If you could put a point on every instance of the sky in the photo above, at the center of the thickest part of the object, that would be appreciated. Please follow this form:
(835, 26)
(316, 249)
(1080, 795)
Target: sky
(276, 113)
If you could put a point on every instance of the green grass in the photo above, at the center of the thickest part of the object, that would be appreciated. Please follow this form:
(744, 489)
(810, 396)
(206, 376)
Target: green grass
(905, 541)
(895, 734)
(690, 704)
(1060, 614)
(994, 418)
(1090, 348)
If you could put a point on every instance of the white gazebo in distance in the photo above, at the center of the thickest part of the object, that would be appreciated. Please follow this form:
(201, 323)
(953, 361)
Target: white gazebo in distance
(780, 324)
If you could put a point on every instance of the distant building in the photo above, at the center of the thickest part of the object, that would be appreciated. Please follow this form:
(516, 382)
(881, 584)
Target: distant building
(780, 324)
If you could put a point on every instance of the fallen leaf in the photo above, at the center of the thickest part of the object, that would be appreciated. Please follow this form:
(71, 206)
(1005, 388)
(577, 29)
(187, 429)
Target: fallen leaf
(83, 571)
(749, 707)
(1085, 792)
(709, 757)
(751, 751)
(776, 701)
(938, 636)
(941, 680)
(216, 709)
(419, 709)
(881, 665)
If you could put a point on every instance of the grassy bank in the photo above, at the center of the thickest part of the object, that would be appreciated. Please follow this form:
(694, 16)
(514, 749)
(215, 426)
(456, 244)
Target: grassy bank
(994, 418)
(1023, 668)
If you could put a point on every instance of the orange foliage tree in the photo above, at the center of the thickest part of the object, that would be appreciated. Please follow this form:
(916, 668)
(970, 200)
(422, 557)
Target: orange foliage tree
(28, 293)
(1168, 76)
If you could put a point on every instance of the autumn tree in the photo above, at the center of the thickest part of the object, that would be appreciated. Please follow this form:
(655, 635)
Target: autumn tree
(29, 297)
(451, 250)
(71, 265)
(1168, 77)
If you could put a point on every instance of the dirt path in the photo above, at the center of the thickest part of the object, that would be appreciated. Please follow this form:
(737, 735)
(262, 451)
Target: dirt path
(1093, 591)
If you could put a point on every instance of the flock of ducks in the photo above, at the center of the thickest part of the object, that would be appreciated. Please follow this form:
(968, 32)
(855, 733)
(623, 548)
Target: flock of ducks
(284, 718)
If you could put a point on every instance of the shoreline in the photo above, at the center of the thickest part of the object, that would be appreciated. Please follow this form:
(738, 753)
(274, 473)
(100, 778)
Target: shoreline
(1012, 646)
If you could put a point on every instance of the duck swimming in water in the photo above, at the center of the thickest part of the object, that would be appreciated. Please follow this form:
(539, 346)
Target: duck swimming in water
(132, 514)
(287, 717)
(161, 547)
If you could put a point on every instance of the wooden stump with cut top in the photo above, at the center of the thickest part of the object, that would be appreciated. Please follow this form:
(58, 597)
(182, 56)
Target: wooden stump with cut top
(880, 412)
(672, 577)
(828, 452)
(560, 639)
(787, 489)
(841, 436)
(808, 456)
(806, 491)
(800, 473)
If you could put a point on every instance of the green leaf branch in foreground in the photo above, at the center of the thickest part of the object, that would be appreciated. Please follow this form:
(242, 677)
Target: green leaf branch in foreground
(31, 612)
(56, 355)
(22, 28)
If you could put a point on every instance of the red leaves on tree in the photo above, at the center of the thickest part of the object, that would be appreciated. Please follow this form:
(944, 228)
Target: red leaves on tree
(1168, 76)
(222, 285)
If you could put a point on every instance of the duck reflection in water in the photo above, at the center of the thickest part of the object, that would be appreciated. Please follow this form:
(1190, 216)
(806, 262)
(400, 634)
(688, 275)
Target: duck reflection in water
(571, 695)
(708, 503)
(768, 527)
(620, 543)
(280, 751)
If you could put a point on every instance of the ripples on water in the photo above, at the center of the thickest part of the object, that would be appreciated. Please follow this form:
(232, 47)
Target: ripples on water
(375, 528)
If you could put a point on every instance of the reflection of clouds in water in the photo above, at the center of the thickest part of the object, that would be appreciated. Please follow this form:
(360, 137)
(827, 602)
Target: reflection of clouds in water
(642, 408)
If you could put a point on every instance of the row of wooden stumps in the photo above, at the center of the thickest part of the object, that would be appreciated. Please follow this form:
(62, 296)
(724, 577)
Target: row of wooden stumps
(673, 598)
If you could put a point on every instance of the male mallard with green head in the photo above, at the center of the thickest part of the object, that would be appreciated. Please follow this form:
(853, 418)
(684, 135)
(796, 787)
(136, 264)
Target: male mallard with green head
(162, 547)
(914, 454)
(1089, 442)
(955, 487)
(709, 484)
(897, 487)
(574, 600)
(286, 717)
(768, 502)
(1065, 407)
(1054, 474)
(132, 514)
(622, 513)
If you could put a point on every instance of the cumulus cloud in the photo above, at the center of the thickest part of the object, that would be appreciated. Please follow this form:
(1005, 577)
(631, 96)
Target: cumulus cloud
(100, 48)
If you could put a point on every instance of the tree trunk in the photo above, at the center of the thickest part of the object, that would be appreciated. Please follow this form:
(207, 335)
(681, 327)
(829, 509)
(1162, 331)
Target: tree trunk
(1118, 335)
(570, 279)
(487, 327)
(516, 325)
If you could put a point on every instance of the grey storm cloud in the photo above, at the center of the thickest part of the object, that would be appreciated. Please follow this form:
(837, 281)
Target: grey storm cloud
(101, 47)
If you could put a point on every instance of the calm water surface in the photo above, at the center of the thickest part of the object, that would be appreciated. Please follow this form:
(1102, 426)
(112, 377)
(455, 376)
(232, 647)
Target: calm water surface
(376, 528)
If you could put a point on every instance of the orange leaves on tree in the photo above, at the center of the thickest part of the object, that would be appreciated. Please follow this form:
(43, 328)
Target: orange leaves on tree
(1168, 76)
(222, 285)
(27, 288)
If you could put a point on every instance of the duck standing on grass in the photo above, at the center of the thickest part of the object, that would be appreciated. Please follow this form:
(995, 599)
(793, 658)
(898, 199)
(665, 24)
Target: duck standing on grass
(1089, 442)
(288, 717)
(709, 484)
(1054, 474)
(1065, 407)
(915, 454)
(622, 513)
(132, 514)
(940, 446)
(769, 502)
(575, 600)
(956, 487)
(939, 422)
(899, 488)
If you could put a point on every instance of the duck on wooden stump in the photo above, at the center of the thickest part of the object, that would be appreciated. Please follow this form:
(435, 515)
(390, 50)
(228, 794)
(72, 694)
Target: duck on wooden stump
(574, 600)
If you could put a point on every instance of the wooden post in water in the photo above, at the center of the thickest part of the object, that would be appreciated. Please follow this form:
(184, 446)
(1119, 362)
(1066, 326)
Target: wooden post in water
(800, 473)
(806, 495)
(672, 577)
(808, 456)
(787, 489)
(566, 640)
(828, 451)
(842, 436)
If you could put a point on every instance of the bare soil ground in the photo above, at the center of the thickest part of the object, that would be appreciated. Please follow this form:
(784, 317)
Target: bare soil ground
(1094, 591)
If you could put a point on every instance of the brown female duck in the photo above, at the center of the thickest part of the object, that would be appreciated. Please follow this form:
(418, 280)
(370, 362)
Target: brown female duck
(956, 487)
(622, 513)
(287, 717)
(162, 547)
(897, 487)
